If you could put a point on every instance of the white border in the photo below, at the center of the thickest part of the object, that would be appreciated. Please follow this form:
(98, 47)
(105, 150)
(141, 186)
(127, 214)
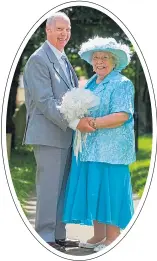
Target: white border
(5, 109)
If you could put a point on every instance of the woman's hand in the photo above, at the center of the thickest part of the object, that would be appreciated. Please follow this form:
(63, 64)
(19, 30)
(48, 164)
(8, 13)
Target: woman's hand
(84, 125)
(93, 123)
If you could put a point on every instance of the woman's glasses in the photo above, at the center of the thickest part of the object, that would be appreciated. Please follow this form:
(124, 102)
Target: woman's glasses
(103, 58)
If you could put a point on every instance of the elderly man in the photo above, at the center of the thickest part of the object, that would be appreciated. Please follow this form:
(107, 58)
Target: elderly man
(47, 76)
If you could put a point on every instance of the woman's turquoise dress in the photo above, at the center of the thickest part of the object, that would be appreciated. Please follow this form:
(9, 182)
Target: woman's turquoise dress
(98, 191)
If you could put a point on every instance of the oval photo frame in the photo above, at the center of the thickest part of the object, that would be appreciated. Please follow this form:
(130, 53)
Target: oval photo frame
(3, 119)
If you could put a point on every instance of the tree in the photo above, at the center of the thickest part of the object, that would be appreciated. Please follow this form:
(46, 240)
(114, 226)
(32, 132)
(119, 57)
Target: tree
(10, 128)
(36, 40)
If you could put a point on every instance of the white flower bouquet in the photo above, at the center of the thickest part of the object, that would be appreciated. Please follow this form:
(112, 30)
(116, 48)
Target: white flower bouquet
(76, 104)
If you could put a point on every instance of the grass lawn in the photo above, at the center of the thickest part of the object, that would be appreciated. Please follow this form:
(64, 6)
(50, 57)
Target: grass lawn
(22, 167)
(139, 169)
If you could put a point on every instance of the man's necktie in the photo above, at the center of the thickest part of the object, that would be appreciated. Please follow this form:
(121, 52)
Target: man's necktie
(68, 70)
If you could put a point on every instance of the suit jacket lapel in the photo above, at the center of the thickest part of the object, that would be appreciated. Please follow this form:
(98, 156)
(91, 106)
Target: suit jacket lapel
(74, 77)
(56, 65)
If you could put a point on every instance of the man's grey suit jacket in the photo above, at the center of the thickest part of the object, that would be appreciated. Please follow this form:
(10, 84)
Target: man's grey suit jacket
(45, 83)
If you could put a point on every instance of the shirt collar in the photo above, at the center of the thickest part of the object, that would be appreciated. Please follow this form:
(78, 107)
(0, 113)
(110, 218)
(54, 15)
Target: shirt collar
(57, 53)
(109, 77)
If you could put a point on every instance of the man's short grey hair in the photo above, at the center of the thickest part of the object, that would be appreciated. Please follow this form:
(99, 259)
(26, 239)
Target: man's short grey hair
(53, 18)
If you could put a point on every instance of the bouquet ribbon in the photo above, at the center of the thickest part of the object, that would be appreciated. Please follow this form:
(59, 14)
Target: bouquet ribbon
(77, 145)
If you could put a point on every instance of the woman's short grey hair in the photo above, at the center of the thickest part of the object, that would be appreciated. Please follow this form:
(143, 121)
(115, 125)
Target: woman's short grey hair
(114, 58)
(54, 17)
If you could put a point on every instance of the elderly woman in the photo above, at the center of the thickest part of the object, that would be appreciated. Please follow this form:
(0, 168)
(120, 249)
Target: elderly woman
(99, 190)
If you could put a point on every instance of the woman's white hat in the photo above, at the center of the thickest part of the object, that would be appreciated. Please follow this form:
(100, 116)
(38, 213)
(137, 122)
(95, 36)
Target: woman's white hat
(121, 51)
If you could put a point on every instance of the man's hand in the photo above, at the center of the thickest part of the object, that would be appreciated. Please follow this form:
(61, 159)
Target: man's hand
(84, 125)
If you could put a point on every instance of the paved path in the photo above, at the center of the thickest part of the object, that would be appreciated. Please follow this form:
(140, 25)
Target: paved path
(73, 230)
